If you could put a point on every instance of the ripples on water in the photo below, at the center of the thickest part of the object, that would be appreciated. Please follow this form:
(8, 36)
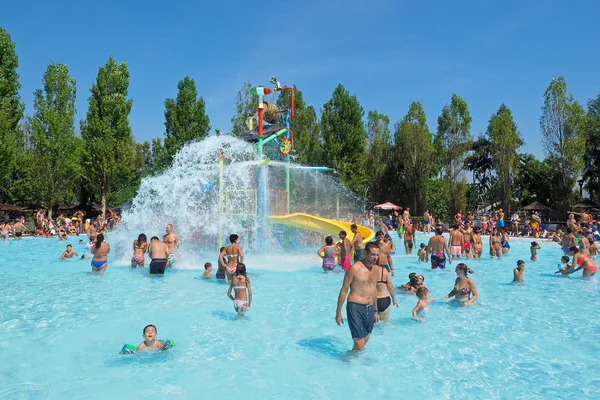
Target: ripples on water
(63, 328)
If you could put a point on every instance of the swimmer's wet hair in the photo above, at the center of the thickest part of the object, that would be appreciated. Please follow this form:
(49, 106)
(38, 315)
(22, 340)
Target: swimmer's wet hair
(329, 240)
(221, 249)
(371, 245)
(233, 238)
(421, 292)
(463, 267)
(423, 245)
(439, 231)
(520, 262)
(154, 238)
(565, 259)
(343, 233)
(206, 265)
(353, 226)
(148, 326)
(412, 274)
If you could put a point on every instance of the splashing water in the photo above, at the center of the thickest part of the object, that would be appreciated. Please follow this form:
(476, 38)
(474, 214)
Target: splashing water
(187, 196)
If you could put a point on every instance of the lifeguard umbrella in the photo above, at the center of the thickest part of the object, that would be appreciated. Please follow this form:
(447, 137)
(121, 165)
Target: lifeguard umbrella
(387, 206)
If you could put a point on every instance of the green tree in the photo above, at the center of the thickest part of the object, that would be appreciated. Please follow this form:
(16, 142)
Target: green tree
(414, 154)
(436, 198)
(535, 180)
(55, 146)
(479, 161)
(11, 112)
(109, 144)
(158, 161)
(185, 118)
(305, 127)
(562, 126)
(379, 156)
(504, 141)
(344, 138)
(245, 105)
(452, 142)
(592, 151)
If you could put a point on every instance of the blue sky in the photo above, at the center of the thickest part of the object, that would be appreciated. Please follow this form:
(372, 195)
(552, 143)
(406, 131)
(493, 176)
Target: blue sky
(388, 53)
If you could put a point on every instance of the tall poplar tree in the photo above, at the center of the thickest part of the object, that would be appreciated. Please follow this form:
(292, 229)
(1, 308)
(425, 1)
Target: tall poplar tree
(414, 153)
(110, 148)
(11, 111)
(562, 126)
(344, 138)
(379, 156)
(185, 118)
(592, 152)
(452, 142)
(245, 104)
(55, 146)
(504, 142)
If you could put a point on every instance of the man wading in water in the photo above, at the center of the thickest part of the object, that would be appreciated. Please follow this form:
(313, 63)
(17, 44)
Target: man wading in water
(361, 280)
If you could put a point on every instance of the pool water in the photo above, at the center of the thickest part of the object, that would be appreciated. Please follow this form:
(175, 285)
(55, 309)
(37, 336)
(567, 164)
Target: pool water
(63, 328)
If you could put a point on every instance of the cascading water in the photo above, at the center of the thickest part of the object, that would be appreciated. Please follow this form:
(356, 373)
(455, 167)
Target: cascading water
(187, 196)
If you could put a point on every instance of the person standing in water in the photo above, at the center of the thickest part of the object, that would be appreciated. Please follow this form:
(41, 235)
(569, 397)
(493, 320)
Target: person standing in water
(220, 266)
(582, 261)
(240, 284)
(327, 254)
(18, 229)
(4, 228)
(385, 293)
(409, 238)
(362, 312)
(139, 249)
(519, 272)
(231, 256)
(100, 251)
(457, 241)
(436, 248)
(464, 287)
(385, 257)
(172, 242)
(357, 243)
(345, 249)
(426, 222)
(159, 253)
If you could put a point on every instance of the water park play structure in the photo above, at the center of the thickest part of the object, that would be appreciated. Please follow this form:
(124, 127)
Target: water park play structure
(246, 184)
(284, 140)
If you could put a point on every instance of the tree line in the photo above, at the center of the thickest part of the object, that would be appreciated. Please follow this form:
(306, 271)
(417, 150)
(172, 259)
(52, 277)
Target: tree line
(46, 159)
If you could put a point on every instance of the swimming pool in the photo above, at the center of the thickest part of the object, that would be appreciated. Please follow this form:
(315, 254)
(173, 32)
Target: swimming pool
(63, 328)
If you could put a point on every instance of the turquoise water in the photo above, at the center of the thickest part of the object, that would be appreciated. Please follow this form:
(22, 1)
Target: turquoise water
(62, 330)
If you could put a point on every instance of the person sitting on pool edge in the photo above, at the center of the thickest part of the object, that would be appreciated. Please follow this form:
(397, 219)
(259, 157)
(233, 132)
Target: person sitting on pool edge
(150, 342)
(207, 269)
(68, 253)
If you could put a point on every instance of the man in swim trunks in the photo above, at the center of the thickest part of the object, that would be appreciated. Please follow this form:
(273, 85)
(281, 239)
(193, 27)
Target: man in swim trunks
(159, 253)
(385, 256)
(221, 267)
(457, 241)
(19, 228)
(409, 238)
(467, 232)
(172, 242)
(426, 222)
(436, 248)
(362, 313)
(345, 248)
(357, 243)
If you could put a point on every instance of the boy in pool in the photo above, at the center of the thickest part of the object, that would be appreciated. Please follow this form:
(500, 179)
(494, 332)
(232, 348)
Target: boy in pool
(565, 265)
(150, 342)
(534, 248)
(422, 253)
(207, 269)
(519, 272)
(68, 253)
(420, 310)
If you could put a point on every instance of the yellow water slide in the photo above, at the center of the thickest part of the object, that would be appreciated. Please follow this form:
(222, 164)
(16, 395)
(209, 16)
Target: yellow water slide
(317, 224)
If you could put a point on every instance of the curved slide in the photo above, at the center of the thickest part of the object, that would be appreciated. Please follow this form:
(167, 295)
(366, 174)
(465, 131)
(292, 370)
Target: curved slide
(317, 224)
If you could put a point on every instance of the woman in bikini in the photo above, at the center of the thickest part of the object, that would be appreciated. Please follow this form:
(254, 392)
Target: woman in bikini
(385, 289)
(477, 242)
(495, 247)
(464, 289)
(232, 256)
(582, 261)
(327, 254)
(139, 249)
(100, 251)
(240, 284)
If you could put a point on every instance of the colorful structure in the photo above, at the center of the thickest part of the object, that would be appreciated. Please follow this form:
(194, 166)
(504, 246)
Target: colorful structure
(284, 139)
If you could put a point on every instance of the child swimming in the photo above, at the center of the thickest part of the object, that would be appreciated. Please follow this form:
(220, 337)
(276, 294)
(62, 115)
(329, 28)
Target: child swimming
(519, 272)
(150, 342)
(207, 269)
(534, 248)
(411, 285)
(565, 265)
(420, 310)
(422, 253)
